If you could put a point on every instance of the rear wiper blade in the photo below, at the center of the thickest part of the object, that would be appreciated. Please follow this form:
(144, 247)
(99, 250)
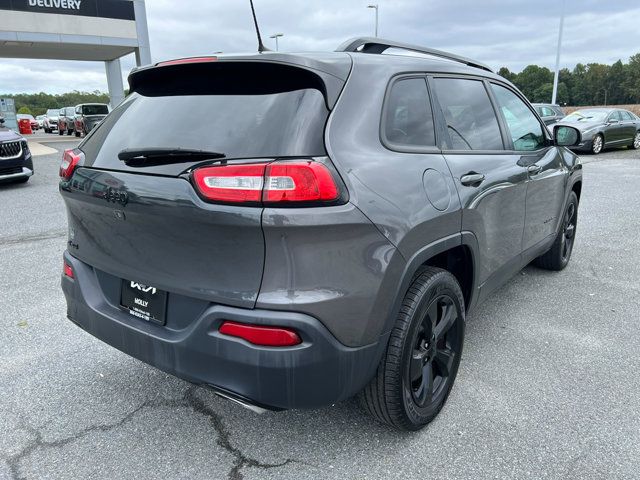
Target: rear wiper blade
(162, 156)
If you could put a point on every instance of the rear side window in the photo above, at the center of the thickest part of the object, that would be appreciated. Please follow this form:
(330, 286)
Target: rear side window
(408, 116)
(94, 110)
(471, 120)
(626, 115)
(525, 129)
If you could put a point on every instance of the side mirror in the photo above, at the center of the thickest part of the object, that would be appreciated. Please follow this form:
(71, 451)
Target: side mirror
(565, 136)
(612, 121)
(1, 121)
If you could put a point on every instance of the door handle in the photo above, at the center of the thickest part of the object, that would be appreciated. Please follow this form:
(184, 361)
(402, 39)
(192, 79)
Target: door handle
(533, 169)
(472, 179)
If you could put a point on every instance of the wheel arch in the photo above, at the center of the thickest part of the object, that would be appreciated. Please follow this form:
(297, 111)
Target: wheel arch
(457, 254)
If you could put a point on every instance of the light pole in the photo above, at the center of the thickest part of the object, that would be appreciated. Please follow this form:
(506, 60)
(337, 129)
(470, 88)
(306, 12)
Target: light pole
(276, 36)
(557, 72)
(376, 9)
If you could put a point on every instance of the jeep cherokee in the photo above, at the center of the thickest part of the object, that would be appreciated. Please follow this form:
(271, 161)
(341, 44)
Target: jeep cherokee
(326, 230)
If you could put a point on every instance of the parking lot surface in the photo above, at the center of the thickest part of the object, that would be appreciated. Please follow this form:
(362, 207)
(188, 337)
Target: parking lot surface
(548, 386)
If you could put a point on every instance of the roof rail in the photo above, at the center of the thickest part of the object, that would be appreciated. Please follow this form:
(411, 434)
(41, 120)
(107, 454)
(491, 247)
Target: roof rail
(378, 45)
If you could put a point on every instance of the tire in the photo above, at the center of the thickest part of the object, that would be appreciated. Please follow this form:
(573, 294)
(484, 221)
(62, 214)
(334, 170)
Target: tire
(558, 256)
(597, 144)
(69, 132)
(77, 133)
(46, 130)
(415, 375)
(60, 131)
(635, 145)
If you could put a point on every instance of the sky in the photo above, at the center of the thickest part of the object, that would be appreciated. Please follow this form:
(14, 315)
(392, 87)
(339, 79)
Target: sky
(511, 33)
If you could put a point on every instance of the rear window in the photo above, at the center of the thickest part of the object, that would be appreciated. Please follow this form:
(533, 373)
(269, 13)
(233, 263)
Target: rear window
(95, 109)
(228, 110)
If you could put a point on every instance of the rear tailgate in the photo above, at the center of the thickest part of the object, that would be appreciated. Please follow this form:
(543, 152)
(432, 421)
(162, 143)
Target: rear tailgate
(157, 231)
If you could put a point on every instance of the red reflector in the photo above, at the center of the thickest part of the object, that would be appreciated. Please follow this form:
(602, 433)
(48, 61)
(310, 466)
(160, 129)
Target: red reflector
(68, 271)
(261, 335)
(231, 183)
(188, 60)
(298, 181)
(70, 160)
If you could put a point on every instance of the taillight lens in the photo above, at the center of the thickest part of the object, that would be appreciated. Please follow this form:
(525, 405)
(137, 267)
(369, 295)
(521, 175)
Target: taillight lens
(231, 183)
(180, 61)
(280, 182)
(68, 271)
(70, 160)
(261, 335)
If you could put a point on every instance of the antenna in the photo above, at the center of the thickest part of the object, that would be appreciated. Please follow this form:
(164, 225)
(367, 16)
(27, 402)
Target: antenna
(261, 47)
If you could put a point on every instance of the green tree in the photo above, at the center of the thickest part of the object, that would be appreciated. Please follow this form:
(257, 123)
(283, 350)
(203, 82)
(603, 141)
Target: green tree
(25, 110)
(631, 85)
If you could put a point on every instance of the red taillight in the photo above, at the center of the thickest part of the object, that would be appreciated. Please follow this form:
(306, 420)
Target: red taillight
(68, 271)
(231, 183)
(261, 335)
(280, 182)
(299, 182)
(180, 61)
(70, 160)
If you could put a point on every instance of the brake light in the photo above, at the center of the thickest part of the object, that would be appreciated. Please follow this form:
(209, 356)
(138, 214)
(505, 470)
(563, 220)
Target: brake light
(231, 183)
(68, 271)
(261, 335)
(279, 182)
(180, 61)
(70, 160)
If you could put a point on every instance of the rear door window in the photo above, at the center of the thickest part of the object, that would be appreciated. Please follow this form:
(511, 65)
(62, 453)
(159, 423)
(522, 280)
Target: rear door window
(626, 115)
(408, 116)
(470, 118)
(94, 110)
(525, 129)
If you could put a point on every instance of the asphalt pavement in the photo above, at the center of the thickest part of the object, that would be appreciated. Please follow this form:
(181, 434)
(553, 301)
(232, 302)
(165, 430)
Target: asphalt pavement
(548, 386)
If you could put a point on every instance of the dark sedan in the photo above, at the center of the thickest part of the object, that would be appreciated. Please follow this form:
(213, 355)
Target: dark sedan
(604, 127)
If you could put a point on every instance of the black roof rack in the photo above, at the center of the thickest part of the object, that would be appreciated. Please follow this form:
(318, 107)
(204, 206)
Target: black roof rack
(378, 45)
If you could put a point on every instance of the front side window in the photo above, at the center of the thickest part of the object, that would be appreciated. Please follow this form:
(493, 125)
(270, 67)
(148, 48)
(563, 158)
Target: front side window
(408, 117)
(471, 120)
(524, 128)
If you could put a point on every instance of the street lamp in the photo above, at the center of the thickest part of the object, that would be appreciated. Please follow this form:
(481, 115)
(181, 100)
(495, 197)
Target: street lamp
(557, 72)
(376, 9)
(276, 36)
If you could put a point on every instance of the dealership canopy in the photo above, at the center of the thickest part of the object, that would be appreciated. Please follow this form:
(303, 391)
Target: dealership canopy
(94, 30)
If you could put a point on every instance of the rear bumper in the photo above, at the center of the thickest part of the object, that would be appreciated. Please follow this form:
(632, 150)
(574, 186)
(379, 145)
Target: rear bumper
(318, 372)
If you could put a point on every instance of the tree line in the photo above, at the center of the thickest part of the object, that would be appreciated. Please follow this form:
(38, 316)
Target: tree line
(38, 103)
(590, 84)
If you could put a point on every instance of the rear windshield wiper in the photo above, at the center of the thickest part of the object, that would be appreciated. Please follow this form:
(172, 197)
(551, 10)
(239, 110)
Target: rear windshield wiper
(148, 156)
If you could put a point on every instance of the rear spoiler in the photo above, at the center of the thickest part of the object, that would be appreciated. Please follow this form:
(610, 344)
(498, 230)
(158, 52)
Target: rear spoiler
(264, 74)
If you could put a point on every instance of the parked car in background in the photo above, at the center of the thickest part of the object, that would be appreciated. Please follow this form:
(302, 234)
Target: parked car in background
(51, 120)
(88, 115)
(40, 120)
(66, 120)
(604, 127)
(32, 121)
(549, 113)
(296, 241)
(16, 164)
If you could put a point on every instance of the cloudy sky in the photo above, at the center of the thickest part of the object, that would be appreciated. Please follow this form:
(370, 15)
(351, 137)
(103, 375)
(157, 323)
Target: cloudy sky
(512, 33)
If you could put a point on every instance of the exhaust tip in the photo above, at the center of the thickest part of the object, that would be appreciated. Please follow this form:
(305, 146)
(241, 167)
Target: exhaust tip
(243, 402)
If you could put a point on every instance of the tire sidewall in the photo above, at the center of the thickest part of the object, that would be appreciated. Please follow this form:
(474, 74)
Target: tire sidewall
(599, 135)
(416, 416)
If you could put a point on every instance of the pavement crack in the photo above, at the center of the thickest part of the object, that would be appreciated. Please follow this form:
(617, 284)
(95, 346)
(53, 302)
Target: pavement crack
(224, 440)
(38, 443)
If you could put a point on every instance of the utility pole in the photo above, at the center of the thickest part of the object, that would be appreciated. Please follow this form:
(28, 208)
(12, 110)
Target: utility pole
(557, 72)
(375, 7)
(276, 36)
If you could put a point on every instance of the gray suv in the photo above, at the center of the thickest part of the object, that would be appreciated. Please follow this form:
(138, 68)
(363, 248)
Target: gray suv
(324, 232)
